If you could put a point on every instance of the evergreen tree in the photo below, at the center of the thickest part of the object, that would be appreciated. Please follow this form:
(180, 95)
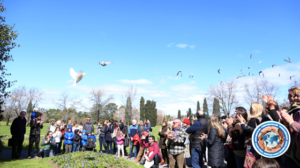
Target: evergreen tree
(8, 35)
(147, 110)
(142, 109)
(190, 113)
(29, 111)
(179, 114)
(205, 109)
(128, 112)
(198, 106)
(216, 107)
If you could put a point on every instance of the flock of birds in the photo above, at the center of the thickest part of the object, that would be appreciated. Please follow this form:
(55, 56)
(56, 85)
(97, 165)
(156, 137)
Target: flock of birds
(242, 70)
(79, 75)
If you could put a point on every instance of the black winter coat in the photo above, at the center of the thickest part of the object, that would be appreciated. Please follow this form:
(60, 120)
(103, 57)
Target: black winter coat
(18, 127)
(108, 131)
(35, 128)
(215, 149)
(76, 139)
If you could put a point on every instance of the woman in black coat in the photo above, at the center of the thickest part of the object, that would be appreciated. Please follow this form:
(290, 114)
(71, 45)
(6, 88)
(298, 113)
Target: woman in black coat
(215, 142)
(108, 131)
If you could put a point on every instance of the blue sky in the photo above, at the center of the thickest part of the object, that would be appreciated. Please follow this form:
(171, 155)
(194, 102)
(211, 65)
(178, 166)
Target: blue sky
(148, 42)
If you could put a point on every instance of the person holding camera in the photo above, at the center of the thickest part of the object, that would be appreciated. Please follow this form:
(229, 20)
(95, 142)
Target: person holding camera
(17, 130)
(176, 140)
(35, 130)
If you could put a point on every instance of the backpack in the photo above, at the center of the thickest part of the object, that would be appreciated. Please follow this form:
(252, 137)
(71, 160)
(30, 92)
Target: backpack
(90, 143)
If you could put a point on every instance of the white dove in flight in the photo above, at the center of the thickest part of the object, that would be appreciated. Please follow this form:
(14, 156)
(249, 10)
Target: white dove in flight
(259, 62)
(76, 76)
(104, 63)
(191, 76)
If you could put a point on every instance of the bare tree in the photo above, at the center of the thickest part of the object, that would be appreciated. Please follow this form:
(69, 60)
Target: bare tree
(34, 95)
(68, 104)
(15, 103)
(131, 92)
(225, 92)
(99, 102)
(259, 87)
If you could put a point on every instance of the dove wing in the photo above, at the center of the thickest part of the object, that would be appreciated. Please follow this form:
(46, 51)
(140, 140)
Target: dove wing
(73, 73)
(108, 62)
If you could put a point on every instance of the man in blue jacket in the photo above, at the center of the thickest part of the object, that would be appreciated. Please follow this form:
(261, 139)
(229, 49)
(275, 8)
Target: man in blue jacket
(131, 132)
(17, 130)
(200, 126)
(69, 135)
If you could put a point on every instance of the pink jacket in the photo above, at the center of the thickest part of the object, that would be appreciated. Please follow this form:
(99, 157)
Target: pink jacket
(155, 150)
(120, 140)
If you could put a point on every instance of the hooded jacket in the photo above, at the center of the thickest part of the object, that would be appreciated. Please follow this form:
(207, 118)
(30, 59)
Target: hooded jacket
(69, 134)
(76, 139)
(83, 138)
(92, 136)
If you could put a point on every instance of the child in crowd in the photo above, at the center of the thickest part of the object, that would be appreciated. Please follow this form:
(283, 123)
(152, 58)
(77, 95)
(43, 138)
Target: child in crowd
(149, 152)
(83, 139)
(92, 136)
(80, 127)
(265, 163)
(69, 135)
(57, 135)
(76, 141)
(75, 127)
(47, 146)
(120, 142)
(136, 144)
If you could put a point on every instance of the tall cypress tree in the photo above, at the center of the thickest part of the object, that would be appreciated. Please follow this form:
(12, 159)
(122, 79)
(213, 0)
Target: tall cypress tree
(198, 106)
(190, 113)
(128, 113)
(148, 110)
(179, 114)
(205, 109)
(142, 108)
(29, 110)
(216, 107)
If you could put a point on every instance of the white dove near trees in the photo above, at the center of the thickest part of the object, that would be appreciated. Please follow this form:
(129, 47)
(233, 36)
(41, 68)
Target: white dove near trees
(76, 76)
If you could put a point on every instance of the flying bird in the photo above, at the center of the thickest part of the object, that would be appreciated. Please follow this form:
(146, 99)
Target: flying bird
(289, 61)
(259, 73)
(219, 71)
(249, 67)
(191, 76)
(273, 65)
(250, 56)
(76, 76)
(259, 62)
(279, 75)
(249, 74)
(292, 77)
(180, 73)
(104, 63)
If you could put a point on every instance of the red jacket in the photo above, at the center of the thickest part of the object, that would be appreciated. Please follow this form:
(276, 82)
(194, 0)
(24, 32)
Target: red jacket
(136, 142)
(155, 150)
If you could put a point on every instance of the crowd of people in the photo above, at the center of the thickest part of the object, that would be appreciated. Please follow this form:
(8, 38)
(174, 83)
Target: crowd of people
(225, 138)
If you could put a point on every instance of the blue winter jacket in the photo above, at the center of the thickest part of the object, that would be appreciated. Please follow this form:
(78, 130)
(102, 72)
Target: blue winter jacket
(92, 136)
(132, 130)
(69, 134)
(83, 139)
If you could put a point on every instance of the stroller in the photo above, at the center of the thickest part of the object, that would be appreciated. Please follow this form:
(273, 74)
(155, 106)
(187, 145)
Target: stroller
(91, 143)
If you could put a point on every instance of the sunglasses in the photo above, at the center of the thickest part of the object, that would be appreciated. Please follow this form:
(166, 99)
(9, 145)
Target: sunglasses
(293, 95)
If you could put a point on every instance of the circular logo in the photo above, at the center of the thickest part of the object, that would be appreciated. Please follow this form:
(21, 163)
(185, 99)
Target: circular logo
(271, 139)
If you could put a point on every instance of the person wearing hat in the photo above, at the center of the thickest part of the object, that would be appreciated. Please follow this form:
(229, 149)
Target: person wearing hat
(35, 129)
(17, 130)
(186, 123)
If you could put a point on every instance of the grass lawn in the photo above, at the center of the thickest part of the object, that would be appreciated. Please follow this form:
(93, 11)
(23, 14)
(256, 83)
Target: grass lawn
(33, 163)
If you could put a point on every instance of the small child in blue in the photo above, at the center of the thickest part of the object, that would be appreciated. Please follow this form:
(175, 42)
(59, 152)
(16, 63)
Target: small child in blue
(92, 136)
(83, 139)
(69, 135)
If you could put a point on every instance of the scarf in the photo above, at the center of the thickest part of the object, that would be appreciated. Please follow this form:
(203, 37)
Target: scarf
(294, 108)
(175, 131)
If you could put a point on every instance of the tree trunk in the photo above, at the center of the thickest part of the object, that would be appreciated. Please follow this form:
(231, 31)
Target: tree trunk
(7, 122)
(98, 116)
